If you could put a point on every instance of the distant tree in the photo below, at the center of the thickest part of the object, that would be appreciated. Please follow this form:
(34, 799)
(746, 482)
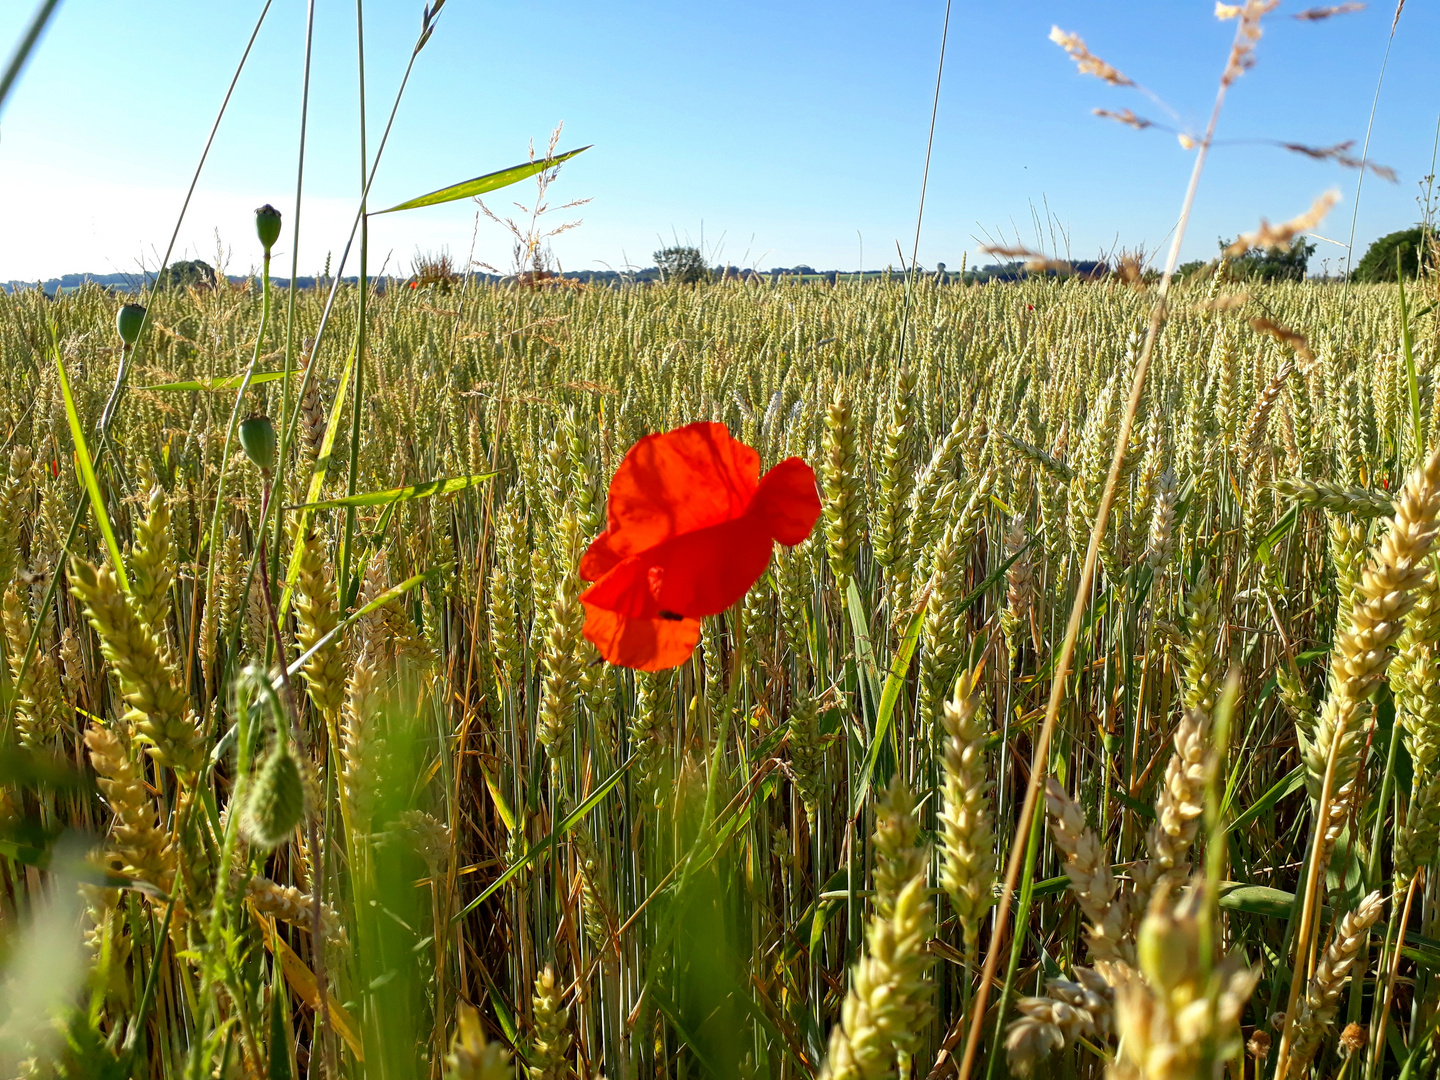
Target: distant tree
(684, 265)
(188, 274)
(1379, 261)
(1271, 265)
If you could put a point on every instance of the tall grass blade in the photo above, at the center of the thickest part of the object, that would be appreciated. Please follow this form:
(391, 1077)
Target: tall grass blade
(398, 495)
(86, 468)
(482, 185)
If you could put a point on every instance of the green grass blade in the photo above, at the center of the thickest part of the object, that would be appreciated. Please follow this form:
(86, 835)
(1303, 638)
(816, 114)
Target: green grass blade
(567, 823)
(889, 696)
(1407, 346)
(481, 185)
(86, 468)
(317, 478)
(401, 494)
(220, 382)
(1292, 782)
(25, 47)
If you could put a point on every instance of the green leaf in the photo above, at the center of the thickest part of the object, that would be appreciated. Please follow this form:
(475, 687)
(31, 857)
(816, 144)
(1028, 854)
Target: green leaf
(1275, 535)
(860, 624)
(1407, 346)
(1257, 900)
(279, 1032)
(900, 666)
(894, 683)
(220, 382)
(401, 494)
(86, 468)
(1291, 782)
(483, 184)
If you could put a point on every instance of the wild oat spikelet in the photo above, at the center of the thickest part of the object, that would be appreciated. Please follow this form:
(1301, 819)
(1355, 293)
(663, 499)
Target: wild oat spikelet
(40, 708)
(1415, 680)
(1358, 502)
(16, 495)
(471, 1056)
(152, 565)
(896, 473)
(1362, 650)
(1160, 545)
(967, 843)
(550, 1043)
(1202, 665)
(560, 660)
(942, 633)
(899, 854)
(843, 505)
(135, 835)
(807, 751)
(1048, 1024)
(888, 999)
(1319, 1006)
(292, 906)
(1019, 611)
(315, 617)
(159, 707)
(1085, 60)
(1090, 878)
(1164, 1019)
(1178, 806)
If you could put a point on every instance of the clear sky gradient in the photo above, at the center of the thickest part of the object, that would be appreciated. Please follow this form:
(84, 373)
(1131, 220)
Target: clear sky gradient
(779, 131)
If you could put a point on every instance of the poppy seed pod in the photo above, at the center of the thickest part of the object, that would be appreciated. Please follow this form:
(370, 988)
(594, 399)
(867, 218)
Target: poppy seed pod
(267, 226)
(257, 439)
(128, 321)
(276, 802)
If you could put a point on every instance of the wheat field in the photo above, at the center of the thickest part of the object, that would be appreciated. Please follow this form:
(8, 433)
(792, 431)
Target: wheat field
(457, 843)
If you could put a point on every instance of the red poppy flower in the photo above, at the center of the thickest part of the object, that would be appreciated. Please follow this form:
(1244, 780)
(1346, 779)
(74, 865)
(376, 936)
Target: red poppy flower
(690, 525)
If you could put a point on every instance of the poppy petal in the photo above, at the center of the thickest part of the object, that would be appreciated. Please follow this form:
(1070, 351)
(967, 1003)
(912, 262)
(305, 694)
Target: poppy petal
(698, 574)
(669, 484)
(643, 644)
(788, 501)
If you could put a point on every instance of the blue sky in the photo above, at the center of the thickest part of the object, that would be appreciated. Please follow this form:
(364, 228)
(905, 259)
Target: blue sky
(782, 132)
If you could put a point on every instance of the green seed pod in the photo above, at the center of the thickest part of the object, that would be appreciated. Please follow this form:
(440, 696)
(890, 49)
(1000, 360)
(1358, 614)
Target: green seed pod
(128, 321)
(267, 226)
(257, 439)
(277, 800)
